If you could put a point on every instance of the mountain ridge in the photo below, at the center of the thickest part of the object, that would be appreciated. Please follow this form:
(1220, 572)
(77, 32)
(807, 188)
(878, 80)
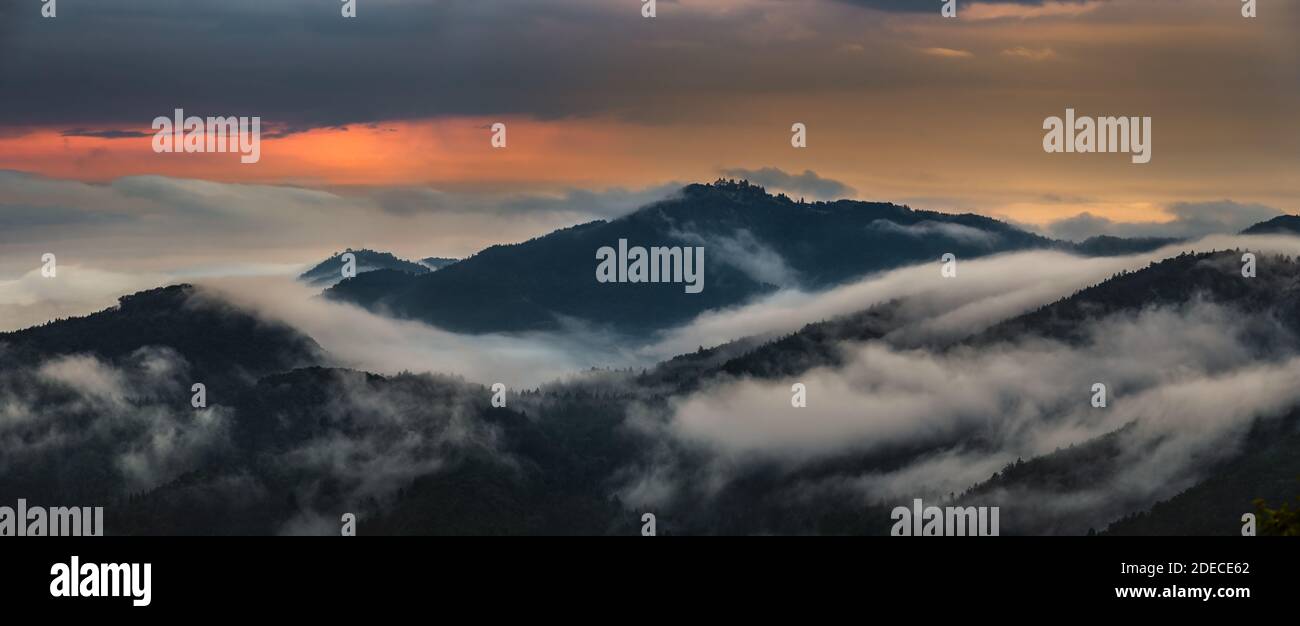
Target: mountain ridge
(755, 243)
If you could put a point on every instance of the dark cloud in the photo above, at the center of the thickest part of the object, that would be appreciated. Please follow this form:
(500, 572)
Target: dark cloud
(299, 65)
(404, 201)
(808, 183)
(167, 221)
(105, 134)
(926, 6)
(18, 221)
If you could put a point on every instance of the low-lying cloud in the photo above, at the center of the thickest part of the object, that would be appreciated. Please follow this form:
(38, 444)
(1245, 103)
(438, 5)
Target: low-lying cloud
(187, 226)
(363, 340)
(1184, 384)
(33, 299)
(987, 290)
(1190, 220)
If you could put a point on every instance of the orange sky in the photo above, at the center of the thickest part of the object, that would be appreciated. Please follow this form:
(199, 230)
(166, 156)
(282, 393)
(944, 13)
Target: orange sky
(954, 126)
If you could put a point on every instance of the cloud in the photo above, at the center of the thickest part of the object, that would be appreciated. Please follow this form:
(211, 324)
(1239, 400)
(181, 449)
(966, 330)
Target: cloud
(808, 183)
(581, 203)
(78, 428)
(33, 299)
(1190, 220)
(318, 79)
(376, 437)
(987, 290)
(948, 53)
(105, 134)
(185, 227)
(886, 398)
(362, 340)
(1185, 383)
(88, 375)
(973, 409)
(743, 251)
(928, 228)
(915, 6)
(980, 10)
(121, 426)
(1030, 9)
(1030, 54)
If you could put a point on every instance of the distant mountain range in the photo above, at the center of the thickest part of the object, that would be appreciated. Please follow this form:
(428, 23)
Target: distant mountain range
(754, 243)
(437, 262)
(330, 271)
(288, 437)
(98, 409)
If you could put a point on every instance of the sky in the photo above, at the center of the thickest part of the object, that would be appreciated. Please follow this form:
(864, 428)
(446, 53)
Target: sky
(377, 133)
(377, 129)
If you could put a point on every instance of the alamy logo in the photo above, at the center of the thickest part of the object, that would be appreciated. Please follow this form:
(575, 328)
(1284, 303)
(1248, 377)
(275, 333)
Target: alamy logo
(657, 265)
(59, 521)
(951, 521)
(49, 266)
(1103, 134)
(213, 134)
(102, 580)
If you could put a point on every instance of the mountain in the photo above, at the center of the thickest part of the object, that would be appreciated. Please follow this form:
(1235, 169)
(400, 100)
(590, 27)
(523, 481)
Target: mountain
(1265, 462)
(100, 406)
(1209, 276)
(288, 444)
(1188, 277)
(407, 454)
(1280, 225)
(437, 262)
(1264, 465)
(330, 271)
(754, 243)
(97, 410)
(1108, 245)
(1269, 471)
(218, 342)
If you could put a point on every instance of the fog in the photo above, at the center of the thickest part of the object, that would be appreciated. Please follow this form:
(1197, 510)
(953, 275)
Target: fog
(985, 291)
(1190, 380)
(1183, 383)
(363, 340)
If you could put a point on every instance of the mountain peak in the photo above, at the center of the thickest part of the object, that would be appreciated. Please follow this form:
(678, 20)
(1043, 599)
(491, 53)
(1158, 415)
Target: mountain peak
(156, 298)
(328, 272)
(732, 189)
(739, 186)
(1282, 224)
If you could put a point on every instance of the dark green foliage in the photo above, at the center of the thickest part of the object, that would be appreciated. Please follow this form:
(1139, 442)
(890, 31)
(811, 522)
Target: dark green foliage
(425, 454)
(220, 343)
(1281, 522)
(1210, 276)
(535, 285)
(1107, 245)
(1280, 225)
(330, 270)
(1267, 470)
(437, 262)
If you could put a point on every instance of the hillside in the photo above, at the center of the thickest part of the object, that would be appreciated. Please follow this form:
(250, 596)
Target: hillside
(754, 242)
(1280, 225)
(330, 271)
